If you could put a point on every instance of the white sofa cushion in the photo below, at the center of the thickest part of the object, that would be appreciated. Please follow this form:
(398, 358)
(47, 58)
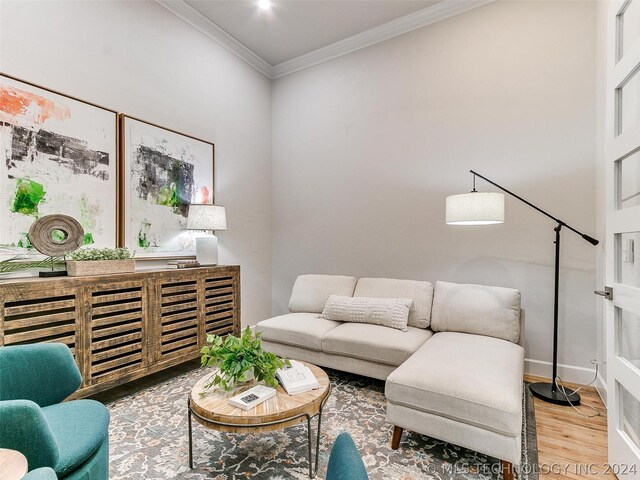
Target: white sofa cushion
(310, 292)
(478, 309)
(469, 378)
(299, 329)
(388, 312)
(374, 342)
(420, 292)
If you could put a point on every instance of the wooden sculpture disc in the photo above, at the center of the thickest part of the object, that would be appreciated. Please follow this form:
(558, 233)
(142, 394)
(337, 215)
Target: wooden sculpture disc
(56, 235)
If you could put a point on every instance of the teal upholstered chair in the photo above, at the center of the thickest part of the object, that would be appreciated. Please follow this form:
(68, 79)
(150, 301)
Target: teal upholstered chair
(44, 473)
(345, 462)
(70, 437)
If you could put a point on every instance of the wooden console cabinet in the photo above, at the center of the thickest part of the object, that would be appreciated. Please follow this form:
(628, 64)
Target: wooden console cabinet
(122, 327)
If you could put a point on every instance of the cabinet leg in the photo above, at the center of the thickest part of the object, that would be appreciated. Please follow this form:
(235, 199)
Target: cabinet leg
(395, 439)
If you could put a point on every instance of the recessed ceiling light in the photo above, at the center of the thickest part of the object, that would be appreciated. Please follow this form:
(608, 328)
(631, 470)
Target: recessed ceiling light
(264, 4)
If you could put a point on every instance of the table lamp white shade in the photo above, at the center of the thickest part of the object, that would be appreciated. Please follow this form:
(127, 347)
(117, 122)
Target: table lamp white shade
(475, 208)
(207, 217)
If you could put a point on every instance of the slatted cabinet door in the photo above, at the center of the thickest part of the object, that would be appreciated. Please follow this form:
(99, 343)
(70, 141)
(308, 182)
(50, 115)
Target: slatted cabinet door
(118, 316)
(220, 305)
(178, 307)
(48, 315)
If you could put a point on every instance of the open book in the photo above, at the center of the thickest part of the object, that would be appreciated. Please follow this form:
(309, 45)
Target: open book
(297, 378)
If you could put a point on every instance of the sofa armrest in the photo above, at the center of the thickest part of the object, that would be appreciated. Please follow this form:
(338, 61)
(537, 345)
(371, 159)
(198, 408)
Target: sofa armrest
(521, 337)
(345, 462)
(23, 427)
(44, 473)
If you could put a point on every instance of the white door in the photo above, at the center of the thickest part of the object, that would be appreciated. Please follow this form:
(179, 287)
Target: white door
(622, 151)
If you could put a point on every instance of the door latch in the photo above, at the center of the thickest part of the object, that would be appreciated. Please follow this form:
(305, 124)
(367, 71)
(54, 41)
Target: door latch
(606, 293)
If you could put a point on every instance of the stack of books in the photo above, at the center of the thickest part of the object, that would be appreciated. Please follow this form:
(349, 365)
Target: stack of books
(183, 264)
(297, 378)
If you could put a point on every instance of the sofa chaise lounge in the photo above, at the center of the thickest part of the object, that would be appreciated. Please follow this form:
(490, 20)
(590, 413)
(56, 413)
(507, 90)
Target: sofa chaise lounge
(456, 374)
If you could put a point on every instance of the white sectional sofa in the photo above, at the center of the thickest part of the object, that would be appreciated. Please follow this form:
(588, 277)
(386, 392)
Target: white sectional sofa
(456, 373)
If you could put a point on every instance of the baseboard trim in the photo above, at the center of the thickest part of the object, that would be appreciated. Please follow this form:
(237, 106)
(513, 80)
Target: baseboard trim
(568, 373)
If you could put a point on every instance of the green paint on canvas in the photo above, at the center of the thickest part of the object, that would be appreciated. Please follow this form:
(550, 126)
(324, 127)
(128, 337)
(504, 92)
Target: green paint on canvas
(57, 236)
(87, 239)
(28, 196)
(88, 213)
(143, 239)
(168, 195)
(24, 241)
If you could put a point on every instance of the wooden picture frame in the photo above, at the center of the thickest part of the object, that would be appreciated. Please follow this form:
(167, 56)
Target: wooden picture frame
(60, 154)
(162, 171)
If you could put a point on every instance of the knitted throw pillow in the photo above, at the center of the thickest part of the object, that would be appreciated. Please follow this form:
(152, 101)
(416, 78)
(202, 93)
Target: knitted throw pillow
(389, 312)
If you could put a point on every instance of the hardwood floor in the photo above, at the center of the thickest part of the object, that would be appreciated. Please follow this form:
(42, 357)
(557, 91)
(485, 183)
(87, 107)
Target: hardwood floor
(571, 446)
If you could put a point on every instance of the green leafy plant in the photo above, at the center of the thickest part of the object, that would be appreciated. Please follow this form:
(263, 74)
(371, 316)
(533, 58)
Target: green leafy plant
(19, 262)
(89, 254)
(235, 358)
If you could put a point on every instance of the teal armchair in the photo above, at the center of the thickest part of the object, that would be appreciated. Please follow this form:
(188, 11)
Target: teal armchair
(72, 438)
(44, 473)
(344, 461)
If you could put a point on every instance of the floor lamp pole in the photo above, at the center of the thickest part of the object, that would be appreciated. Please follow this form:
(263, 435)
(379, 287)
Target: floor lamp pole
(556, 293)
(550, 391)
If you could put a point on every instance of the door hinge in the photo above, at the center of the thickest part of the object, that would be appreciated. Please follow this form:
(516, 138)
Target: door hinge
(606, 293)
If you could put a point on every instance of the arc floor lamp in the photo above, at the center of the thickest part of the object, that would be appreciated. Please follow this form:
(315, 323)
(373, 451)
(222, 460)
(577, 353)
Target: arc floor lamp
(480, 208)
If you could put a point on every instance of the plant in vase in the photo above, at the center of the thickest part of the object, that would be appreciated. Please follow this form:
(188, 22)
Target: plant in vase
(239, 360)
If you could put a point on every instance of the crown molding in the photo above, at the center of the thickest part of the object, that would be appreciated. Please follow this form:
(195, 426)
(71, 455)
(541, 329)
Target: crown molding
(399, 26)
(186, 12)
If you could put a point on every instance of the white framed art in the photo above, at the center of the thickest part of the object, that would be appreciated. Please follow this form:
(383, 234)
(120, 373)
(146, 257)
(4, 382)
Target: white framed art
(58, 155)
(163, 172)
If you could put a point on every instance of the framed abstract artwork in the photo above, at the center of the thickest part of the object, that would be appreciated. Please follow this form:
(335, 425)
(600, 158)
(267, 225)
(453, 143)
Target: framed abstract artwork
(59, 155)
(163, 172)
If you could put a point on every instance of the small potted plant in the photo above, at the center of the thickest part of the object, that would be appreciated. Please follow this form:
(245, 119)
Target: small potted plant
(239, 360)
(100, 261)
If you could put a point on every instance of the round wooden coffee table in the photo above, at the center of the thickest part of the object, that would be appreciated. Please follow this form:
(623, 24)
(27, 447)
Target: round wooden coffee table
(13, 464)
(283, 410)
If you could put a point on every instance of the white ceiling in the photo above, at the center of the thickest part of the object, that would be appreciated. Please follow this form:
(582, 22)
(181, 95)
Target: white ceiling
(295, 27)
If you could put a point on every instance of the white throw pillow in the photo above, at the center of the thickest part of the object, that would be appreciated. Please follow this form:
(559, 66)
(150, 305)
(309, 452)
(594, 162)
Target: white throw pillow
(389, 312)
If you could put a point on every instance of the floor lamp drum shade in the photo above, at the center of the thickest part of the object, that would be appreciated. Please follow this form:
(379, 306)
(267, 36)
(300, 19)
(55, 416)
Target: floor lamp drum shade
(475, 208)
(207, 218)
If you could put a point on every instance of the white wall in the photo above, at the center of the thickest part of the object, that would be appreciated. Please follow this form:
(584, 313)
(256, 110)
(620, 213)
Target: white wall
(366, 147)
(137, 58)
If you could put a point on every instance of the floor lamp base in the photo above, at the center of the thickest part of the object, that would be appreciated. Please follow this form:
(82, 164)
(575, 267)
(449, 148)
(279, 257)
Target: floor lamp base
(544, 391)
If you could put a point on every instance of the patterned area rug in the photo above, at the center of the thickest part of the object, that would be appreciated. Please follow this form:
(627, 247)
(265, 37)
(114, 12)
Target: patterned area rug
(148, 436)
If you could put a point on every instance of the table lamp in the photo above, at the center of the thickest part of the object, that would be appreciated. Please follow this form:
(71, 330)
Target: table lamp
(207, 218)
